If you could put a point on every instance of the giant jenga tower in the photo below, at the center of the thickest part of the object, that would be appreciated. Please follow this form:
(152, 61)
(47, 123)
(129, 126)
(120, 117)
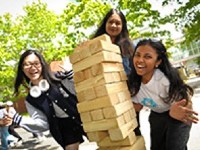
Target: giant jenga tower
(104, 103)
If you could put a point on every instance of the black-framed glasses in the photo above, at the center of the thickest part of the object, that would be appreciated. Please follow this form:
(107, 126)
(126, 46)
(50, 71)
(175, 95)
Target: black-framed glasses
(29, 65)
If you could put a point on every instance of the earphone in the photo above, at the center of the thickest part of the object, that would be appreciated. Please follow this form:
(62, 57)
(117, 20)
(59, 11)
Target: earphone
(36, 90)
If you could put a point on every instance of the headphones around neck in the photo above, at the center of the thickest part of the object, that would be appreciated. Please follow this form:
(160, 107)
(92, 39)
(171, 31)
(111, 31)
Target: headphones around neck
(36, 90)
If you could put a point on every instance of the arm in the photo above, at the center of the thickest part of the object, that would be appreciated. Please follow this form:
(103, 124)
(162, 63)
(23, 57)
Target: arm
(37, 122)
(183, 112)
(137, 106)
(5, 121)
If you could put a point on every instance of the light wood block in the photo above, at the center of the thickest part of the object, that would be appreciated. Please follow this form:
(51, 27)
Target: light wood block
(103, 125)
(127, 116)
(101, 79)
(118, 109)
(123, 75)
(87, 73)
(86, 94)
(110, 88)
(102, 56)
(106, 67)
(103, 37)
(129, 140)
(78, 76)
(86, 44)
(97, 114)
(103, 45)
(124, 95)
(97, 103)
(138, 145)
(86, 117)
(74, 57)
(97, 136)
(84, 53)
(123, 131)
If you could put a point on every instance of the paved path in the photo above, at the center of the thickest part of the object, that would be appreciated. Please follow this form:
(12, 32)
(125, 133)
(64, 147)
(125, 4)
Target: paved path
(50, 144)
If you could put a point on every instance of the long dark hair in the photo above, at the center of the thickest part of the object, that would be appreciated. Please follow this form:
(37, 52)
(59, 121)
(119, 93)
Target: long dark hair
(21, 78)
(178, 89)
(122, 37)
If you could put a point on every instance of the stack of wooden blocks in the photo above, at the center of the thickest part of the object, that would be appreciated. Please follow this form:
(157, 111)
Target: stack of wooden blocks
(104, 103)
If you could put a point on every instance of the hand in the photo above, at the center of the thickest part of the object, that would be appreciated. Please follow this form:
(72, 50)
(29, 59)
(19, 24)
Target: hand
(182, 112)
(67, 66)
(6, 121)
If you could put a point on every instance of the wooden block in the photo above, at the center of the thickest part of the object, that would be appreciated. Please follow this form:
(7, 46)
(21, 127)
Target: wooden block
(97, 114)
(106, 67)
(103, 125)
(138, 145)
(98, 103)
(86, 117)
(97, 136)
(78, 76)
(123, 131)
(86, 94)
(74, 58)
(129, 140)
(123, 75)
(89, 94)
(81, 51)
(103, 45)
(110, 88)
(132, 113)
(87, 73)
(127, 116)
(113, 77)
(80, 96)
(103, 37)
(102, 56)
(84, 53)
(117, 110)
(101, 79)
(124, 95)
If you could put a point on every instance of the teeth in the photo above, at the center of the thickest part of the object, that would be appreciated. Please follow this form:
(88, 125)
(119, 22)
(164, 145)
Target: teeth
(140, 66)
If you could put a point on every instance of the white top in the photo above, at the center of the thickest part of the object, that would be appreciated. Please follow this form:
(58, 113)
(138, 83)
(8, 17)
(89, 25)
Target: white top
(151, 94)
(2, 112)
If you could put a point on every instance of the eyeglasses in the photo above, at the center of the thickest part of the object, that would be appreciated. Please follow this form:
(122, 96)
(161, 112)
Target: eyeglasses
(29, 65)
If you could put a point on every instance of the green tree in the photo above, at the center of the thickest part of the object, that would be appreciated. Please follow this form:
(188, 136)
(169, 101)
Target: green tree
(186, 17)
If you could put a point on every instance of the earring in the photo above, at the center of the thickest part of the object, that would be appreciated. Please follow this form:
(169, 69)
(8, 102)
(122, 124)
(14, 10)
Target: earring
(36, 91)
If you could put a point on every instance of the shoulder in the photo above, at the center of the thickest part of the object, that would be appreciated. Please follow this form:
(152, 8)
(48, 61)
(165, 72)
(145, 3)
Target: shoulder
(160, 77)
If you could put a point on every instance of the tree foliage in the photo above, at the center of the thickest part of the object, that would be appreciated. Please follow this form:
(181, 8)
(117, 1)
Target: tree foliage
(187, 18)
(57, 35)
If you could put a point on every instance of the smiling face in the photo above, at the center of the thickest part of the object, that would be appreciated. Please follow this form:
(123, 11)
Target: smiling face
(114, 26)
(145, 61)
(32, 68)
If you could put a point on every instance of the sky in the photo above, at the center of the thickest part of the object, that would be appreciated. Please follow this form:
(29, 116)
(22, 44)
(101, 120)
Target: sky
(15, 7)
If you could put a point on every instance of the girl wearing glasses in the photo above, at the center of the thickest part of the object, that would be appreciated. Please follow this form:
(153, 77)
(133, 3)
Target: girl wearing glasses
(51, 102)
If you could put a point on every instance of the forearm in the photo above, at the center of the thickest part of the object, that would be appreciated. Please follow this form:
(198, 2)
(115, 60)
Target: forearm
(31, 124)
